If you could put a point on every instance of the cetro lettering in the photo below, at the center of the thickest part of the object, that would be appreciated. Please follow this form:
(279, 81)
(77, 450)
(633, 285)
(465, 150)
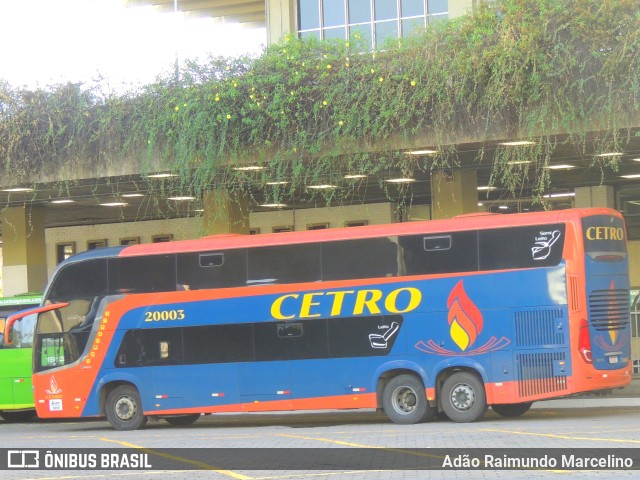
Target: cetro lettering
(605, 233)
(371, 302)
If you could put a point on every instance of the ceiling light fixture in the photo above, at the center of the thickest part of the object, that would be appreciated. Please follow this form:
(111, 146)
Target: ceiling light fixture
(321, 187)
(610, 154)
(400, 180)
(422, 152)
(274, 205)
(487, 188)
(114, 204)
(183, 198)
(63, 200)
(282, 182)
(355, 176)
(519, 162)
(562, 166)
(161, 175)
(18, 189)
(517, 143)
(249, 168)
(635, 175)
(560, 195)
(132, 195)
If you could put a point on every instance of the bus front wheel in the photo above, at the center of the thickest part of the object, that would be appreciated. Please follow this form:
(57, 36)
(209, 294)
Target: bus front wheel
(404, 400)
(462, 397)
(511, 409)
(124, 408)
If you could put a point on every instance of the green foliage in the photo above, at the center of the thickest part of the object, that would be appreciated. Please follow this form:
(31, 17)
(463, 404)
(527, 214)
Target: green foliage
(312, 111)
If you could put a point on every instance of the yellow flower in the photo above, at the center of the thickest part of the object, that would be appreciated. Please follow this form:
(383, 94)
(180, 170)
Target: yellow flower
(284, 50)
(373, 71)
(217, 98)
(228, 116)
(328, 66)
(177, 108)
(235, 84)
(324, 102)
(380, 79)
(346, 64)
(340, 123)
(228, 67)
(413, 83)
(346, 44)
(185, 104)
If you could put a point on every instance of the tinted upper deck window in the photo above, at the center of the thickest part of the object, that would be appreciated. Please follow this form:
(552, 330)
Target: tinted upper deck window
(365, 258)
(201, 270)
(80, 280)
(284, 264)
(153, 273)
(442, 253)
(521, 247)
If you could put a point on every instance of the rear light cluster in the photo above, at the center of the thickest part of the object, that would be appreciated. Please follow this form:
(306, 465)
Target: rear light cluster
(584, 342)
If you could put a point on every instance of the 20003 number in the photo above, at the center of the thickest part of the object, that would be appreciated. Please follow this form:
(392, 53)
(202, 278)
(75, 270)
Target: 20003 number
(162, 315)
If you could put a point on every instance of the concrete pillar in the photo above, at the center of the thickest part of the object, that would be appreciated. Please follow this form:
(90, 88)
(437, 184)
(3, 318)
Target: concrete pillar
(598, 196)
(24, 267)
(453, 193)
(225, 212)
(281, 19)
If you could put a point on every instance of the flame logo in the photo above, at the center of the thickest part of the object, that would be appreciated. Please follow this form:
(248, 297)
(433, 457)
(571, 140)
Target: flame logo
(465, 325)
(464, 318)
(53, 385)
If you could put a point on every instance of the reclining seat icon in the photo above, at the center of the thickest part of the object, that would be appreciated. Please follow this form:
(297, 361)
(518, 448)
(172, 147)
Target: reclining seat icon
(542, 248)
(380, 341)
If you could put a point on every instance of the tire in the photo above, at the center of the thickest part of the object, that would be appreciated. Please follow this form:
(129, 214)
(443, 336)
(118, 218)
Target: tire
(182, 420)
(462, 397)
(404, 400)
(124, 408)
(511, 409)
(19, 416)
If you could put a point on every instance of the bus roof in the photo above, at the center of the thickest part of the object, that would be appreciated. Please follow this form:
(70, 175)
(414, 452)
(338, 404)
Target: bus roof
(464, 222)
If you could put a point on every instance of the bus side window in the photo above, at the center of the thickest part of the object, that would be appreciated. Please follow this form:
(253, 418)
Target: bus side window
(153, 273)
(202, 270)
(284, 264)
(366, 258)
(444, 253)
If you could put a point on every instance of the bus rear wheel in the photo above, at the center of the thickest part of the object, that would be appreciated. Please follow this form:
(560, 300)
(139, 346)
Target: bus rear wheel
(511, 409)
(182, 420)
(124, 408)
(404, 400)
(462, 397)
(21, 416)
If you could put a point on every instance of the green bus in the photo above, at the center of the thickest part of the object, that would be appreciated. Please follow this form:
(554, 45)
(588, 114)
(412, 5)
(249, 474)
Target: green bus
(16, 393)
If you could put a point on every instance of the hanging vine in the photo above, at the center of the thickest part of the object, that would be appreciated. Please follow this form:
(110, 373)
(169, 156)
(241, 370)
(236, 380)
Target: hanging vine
(311, 111)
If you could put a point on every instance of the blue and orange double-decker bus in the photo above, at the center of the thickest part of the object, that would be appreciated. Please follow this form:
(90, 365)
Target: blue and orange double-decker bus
(416, 318)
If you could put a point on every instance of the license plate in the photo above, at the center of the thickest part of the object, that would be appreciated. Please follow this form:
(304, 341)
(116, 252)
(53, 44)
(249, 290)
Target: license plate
(613, 359)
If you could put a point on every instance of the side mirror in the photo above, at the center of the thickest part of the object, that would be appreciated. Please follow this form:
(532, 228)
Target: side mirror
(20, 315)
